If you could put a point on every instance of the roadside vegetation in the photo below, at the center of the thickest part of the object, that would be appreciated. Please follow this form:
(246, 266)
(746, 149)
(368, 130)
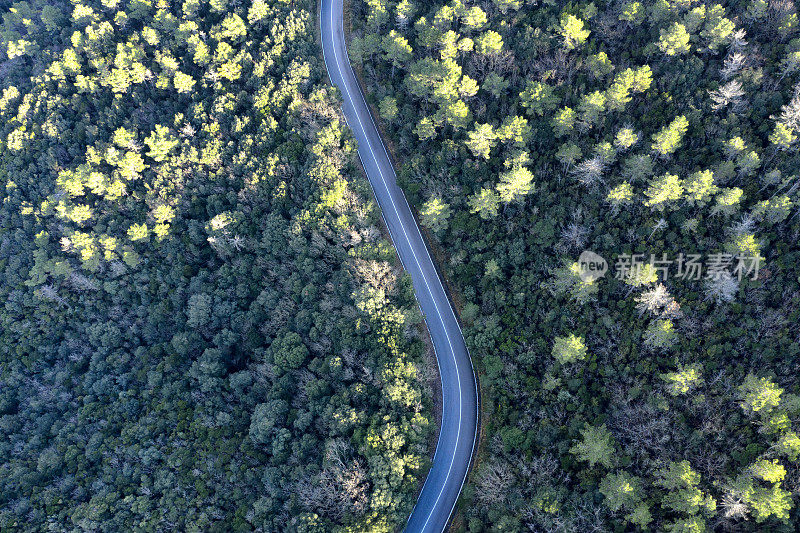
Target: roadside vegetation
(202, 328)
(529, 132)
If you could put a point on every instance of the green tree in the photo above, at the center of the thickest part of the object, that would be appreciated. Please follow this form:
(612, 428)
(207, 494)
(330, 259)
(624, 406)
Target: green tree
(515, 183)
(138, 232)
(474, 18)
(288, 351)
(642, 79)
(632, 12)
(718, 29)
(568, 280)
(564, 121)
(484, 203)
(199, 310)
(514, 129)
(626, 137)
(233, 28)
(457, 114)
(435, 214)
(775, 210)
(396, 48)
(663, 190)
(692, 524)
(619, 94)
(405, 9)
(377, 13)
(388, 108)
(640, 275)
(600, 65)
(745, 245)
(184, 83)
(481, 140)
(674, 40)
(596, 446)
(683, 495)
(265, 418)
(621, 490)
(489, 43)
(660, 335)
(568, 154)
(666, 141)
(160, 143)
(425, 129)
(572, 31)
(700, 187)
(728, 200)
(789, 445)
(782, 137)
(495, 84)
(620, 195)
(640, 516)
(638, 167)
(504, 6)
(759, 394)
(683, 380)
(769, 471)
(591, 107)
(538, 98)
(768, 502)
(569, 349)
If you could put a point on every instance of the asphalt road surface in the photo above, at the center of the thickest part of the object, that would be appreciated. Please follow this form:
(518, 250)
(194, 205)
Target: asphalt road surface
(459, 392)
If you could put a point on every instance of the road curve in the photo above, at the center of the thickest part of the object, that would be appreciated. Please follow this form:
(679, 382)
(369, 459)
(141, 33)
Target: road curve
(457, 435)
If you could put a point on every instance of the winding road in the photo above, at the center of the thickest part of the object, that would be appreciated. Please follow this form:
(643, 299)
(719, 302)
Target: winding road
(458, 432)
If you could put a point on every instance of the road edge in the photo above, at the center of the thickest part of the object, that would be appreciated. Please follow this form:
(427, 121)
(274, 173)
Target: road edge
(429, 358)
(347, 14)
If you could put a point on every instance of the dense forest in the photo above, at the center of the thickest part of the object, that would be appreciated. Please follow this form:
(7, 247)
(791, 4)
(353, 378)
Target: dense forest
(662, 136)
(202, 326)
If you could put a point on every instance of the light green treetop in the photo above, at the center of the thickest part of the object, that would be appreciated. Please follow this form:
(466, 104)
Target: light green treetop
(569, 349)
(538, 98)
(666, 141)
(484, 203)
(684, 379)
(759, 394)
(435, 213)
(674, 40)
(596, 446)
(481, 140)
(573, 31)
(621, 490)
(515, 183)
(663, 190)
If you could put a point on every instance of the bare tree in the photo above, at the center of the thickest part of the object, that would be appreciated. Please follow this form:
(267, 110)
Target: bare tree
(738, 41)
(729, 94)
(660, 225)
(188, 130)
(721, 288)
(659, 302)
(48, 292)
(642, 429)
(574, 236)
(378, 274)
(493, 483)
(341, 488)
(590, 172)
(745, 225)
(81, 282)
(734, 505)
(790, 113)
(732, 65)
